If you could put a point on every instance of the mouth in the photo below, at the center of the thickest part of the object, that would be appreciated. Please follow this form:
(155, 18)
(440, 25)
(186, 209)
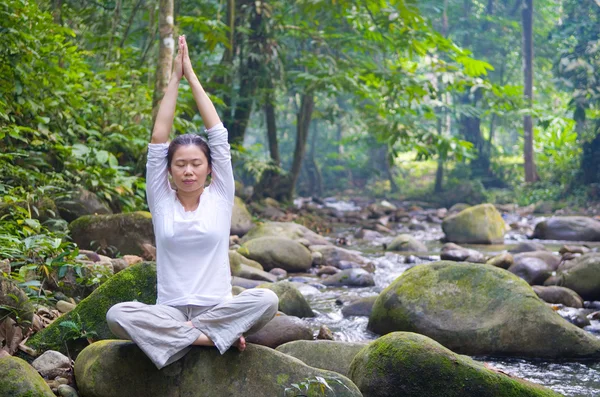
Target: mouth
(189, 182)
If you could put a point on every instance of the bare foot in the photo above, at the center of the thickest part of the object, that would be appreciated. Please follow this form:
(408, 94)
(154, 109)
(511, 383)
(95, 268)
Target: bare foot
(241, 344)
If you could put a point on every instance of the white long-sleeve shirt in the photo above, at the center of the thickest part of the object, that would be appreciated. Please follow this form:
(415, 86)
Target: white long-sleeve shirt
(192, 260)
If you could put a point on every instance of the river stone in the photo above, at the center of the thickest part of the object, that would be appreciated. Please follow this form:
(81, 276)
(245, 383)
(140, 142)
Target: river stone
(583, 276)
(561, 295)
(412, 365)
(245, 283)
(551, 260)
(80, 203)
(252, 273)
(331, 355)
(481, 224)
(291, 301)
(359, 307)
(123, 233)
(11, 296)
(527, 246)
(51, 364)
(478, 309)
(406, 242)
(66, 391)
(574, 249)
(456, 253)
(120, 368)
(290, 230)
(19, 379)
(503, 261)
(570, 228)
(533, 270)
(241, 220)
(236, 259)
(350, 278)
(281, 252)
(280, 330)
(340, 257)
(137, 282)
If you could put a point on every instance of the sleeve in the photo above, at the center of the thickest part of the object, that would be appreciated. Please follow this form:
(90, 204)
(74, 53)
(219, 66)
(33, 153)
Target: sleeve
(222, 172)
(157, 176)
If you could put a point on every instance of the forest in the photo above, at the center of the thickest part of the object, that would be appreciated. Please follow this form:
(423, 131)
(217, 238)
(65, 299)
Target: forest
(354, 125)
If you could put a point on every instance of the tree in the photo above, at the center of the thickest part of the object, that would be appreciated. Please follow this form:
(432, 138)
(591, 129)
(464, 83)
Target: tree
(527, 26)
(165, 52)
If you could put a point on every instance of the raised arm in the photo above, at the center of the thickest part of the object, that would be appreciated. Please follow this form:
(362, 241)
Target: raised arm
(222, 173)
(166, 110)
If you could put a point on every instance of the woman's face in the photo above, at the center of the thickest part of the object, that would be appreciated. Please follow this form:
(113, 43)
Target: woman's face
(189, 168)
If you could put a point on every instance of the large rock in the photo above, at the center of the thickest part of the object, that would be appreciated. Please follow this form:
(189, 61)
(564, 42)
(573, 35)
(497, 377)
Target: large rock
(241, 220)
(331, 355)
(340, 257)
(406, 242)
(272, 252)
(561, 295)
(478, 310)
(291, 301)
(350, 278)
(80, 203)
(411, 365)
(52, 364)
(527, 246)
(359, 307)
(290, 230)
(15, 303)
(280, 330)
(137, 282)
(582, 276)
(109, 234)
(481, 224)
(19, 379)
(548, 257)
(571, 228)
(118, 368)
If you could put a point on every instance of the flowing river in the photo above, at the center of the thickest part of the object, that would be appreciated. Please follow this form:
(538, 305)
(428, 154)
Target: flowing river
(567, 378)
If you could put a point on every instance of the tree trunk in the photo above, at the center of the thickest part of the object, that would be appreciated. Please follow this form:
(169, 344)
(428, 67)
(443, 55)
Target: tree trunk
(302, 128)
(165, 53)
(130, 22)
(315, 179)
(114, 28)
(271, 125)
(439, 174)
(527, 14)
(590, 162)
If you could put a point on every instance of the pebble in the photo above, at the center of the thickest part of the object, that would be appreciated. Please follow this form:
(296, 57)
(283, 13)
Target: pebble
(66, 391)
(64, 306)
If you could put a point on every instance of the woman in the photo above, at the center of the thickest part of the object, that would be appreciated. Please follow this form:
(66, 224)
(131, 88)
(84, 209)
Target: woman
(191, 225)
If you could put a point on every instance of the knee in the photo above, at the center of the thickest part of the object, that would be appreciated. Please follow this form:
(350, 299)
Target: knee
(116, 313)
(271, 300)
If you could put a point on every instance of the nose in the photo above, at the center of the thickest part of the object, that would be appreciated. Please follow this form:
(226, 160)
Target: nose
(188, 169)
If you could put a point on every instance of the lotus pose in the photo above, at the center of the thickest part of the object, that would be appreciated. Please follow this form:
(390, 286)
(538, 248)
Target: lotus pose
(191, 224)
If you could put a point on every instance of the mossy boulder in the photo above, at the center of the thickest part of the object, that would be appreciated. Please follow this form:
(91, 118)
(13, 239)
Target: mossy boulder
(478, 309)
(571, 228)
(481, 224)
(79, 203)
(15, 303)
(406, 242)
(236, 259)
(241, 219)
(272, 252)
(331, 355)
(582, 275)
(19, 379)
(118, 368)
(137, 282)
(291, 301)
(412, 365)
(109, 234)
(290, 230)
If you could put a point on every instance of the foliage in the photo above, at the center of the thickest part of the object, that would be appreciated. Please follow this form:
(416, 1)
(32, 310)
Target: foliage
(312, 387)
(75, 329)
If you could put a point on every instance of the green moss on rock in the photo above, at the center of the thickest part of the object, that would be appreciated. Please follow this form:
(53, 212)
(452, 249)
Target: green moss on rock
(281, 252)
(137, 282)
(19, 379)
(331, 355)
(412, 365)
(481, 224)
(478, 309)
(290, 230)
(203, 372)
(291, 301)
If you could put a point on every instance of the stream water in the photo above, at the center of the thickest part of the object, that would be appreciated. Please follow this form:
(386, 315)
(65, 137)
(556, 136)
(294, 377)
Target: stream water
(567, 378)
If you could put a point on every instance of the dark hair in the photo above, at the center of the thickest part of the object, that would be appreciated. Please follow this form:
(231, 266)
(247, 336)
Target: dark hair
(188, 139)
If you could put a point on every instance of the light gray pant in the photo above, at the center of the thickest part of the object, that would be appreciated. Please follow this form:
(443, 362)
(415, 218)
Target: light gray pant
(162, 333)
